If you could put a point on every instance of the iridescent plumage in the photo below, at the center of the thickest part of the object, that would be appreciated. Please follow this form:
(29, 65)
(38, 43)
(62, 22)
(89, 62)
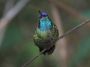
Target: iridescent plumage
(46, 33)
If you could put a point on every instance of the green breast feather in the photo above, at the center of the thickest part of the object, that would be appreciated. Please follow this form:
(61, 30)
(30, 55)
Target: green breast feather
(41, 38)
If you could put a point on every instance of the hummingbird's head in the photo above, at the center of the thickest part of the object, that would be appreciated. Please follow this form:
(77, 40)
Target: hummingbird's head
(43, 14)
(45, 23)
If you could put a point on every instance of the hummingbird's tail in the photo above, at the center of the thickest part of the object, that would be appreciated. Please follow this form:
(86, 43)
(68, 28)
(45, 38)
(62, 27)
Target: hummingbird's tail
(48, 51)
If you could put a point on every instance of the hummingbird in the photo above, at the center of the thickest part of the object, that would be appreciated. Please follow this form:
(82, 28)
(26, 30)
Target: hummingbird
(46, 34)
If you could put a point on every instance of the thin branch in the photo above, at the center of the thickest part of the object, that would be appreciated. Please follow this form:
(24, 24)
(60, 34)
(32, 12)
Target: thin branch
(75, 28)
(30, 61)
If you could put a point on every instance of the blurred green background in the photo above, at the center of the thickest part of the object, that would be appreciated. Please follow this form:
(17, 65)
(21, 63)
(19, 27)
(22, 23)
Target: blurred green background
(18, 46)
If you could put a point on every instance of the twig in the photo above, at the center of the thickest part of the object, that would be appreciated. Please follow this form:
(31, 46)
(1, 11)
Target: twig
(75, 28)
(30, 61)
